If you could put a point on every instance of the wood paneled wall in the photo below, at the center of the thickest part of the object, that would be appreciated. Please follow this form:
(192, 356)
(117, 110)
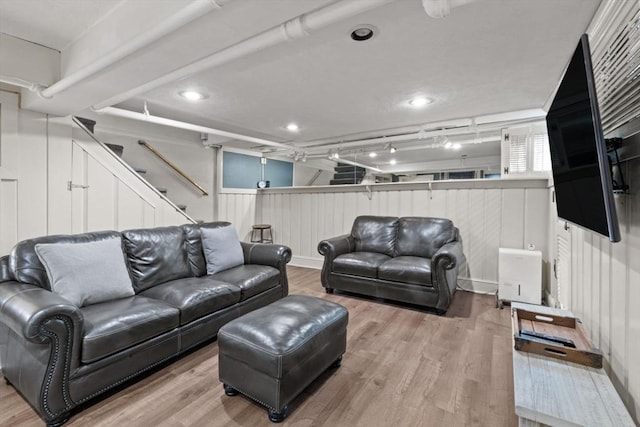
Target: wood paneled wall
(490, 214)
(605, 291)
(238, 208)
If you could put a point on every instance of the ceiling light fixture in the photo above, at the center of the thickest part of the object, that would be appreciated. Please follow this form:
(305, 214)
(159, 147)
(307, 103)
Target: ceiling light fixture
(456, 146)
(392, 149)
(448, 145)
(373, 154)
(393, 161)
(192, 95)
(362, 33)
(419, 101)
(292, 127)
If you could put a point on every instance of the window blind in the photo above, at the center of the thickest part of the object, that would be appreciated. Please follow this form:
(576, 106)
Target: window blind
(616, 61)
(541, 154)
(517, 153)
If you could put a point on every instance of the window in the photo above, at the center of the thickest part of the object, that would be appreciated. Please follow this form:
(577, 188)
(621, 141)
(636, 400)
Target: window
(525, 151)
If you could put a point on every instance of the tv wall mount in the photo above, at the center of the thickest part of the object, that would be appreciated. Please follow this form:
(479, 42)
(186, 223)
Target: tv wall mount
(619, 186)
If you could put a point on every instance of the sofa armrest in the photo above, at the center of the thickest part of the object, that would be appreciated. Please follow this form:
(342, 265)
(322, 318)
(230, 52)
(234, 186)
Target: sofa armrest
(5, 271)
(269, 254)
(40, 335)
(444, 270)
(330, 249)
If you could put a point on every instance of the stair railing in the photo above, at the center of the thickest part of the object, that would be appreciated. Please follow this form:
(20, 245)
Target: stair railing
(172, 166)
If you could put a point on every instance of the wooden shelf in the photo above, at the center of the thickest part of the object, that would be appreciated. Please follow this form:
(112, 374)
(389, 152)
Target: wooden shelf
(555, 392)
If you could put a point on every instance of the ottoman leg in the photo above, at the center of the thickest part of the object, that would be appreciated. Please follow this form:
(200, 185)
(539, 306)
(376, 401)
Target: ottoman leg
(230, 391)
(337, 363)
(277, 416)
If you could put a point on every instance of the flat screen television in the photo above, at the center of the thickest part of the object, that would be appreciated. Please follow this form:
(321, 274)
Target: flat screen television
(579, 161)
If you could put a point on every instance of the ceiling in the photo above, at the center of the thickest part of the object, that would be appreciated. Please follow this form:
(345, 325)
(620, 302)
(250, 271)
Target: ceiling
(486, 57)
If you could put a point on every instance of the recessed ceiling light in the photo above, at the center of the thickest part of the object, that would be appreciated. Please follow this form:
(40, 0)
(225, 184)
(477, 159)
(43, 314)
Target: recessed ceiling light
(456, 146)
(192, 95)
(292, 127)
(373, 154)
(419, 101)
(448, 144)
(393, 161)
(363, 32)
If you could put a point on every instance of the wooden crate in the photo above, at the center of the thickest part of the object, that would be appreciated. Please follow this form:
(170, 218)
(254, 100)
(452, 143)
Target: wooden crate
(551, 335)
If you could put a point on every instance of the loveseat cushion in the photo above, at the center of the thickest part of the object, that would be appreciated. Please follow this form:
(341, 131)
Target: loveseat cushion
(422, 237)
(251, 279)
(112, 326)
(363, 264)
(375, 234)
(195, 296)
(156, 255)
(193, 242)
(407, 269)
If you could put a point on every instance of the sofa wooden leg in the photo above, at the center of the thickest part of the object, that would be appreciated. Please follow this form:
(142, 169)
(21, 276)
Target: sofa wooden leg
(329, 290)
(337, 363)
(277, 416)
(230, 391)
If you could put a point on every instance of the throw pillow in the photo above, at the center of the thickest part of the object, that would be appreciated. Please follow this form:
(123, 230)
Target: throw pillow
(221, 248)
(86, 273)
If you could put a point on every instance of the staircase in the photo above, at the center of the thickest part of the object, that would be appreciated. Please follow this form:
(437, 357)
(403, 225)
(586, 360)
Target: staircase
(347, 174)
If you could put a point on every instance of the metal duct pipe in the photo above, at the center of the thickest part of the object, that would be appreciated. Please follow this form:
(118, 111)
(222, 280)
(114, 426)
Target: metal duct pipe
(119, 112)
(193, 11)
(295, 28)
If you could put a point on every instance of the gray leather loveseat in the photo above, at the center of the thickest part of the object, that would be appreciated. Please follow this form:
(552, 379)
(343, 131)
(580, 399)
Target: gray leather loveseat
(412, 259)
(59, 354)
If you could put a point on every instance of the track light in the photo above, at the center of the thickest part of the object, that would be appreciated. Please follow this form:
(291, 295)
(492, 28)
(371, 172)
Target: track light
(392, 149)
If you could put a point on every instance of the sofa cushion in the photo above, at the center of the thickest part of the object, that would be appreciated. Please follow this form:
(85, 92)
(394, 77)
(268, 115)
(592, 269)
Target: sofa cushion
(221, 248)
(110, 327)
(422, 237)
(407, 269)
(359, 263)
(195, 296)
(375, 234)
(193, 241)
(25, 265)
(156, 255)
(251, 279)
(87, 273)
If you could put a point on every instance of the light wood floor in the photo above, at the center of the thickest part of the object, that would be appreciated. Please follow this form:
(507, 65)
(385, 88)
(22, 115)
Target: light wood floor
(403, 367)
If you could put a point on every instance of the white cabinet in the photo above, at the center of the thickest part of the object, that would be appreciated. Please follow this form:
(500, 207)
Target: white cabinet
(520, 275)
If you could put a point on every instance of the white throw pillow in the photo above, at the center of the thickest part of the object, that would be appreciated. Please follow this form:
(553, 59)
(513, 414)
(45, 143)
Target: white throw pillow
(221, 248)
(87, 273)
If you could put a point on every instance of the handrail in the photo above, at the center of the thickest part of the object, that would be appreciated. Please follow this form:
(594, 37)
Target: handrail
(172, 166)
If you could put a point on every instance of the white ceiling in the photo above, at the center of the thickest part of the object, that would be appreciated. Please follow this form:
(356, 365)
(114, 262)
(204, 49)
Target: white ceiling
(486, 57)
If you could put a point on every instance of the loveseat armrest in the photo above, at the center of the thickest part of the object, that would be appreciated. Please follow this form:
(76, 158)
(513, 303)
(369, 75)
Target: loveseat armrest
(335, 246)
(444, 270)
(330, 249)
(269, 254)
(40, 345)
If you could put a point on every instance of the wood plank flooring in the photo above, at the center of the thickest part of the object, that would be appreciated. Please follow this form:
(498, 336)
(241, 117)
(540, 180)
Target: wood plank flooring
(403, 367)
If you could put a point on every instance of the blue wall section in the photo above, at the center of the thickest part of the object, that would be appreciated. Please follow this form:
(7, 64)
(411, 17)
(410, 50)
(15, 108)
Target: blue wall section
(242, 171)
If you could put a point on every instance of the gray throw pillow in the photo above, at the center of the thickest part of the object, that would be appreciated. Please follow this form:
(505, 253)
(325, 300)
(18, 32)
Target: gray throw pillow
(86, 273)
(221, 248)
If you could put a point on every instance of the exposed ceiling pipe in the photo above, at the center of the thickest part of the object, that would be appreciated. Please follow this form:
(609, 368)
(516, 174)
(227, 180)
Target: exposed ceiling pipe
(362, 165)
(194, 10)
(128, 114)
(442, 8)
(16, 81)
(298, 27)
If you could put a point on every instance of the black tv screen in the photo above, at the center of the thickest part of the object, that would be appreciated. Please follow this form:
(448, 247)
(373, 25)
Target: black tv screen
(581, 171)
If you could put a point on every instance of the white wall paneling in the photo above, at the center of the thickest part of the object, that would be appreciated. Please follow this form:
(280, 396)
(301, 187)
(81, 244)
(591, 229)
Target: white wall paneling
(490, 214)
(605, 291)
(239, 208)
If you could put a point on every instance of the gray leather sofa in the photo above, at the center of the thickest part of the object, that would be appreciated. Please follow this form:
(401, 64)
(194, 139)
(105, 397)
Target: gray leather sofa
(412, 259)
(59, 355)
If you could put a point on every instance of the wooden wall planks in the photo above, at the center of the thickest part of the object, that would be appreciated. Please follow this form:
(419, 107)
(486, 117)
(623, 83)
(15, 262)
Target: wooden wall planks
(605, 292)
(489, 214)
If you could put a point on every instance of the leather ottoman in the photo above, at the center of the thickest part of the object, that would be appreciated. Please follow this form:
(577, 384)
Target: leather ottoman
(271, 354)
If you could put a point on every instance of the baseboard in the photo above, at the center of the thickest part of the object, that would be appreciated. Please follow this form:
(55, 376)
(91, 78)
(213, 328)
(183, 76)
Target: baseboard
(477, 286)
(308, 262)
